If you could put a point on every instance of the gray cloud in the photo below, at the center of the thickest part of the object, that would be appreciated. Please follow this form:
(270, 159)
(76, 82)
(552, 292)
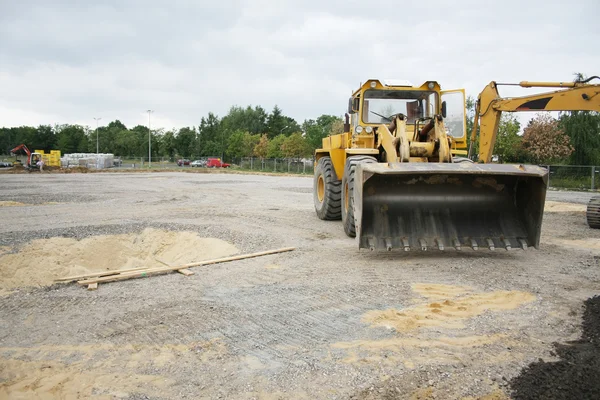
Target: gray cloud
(69, 61)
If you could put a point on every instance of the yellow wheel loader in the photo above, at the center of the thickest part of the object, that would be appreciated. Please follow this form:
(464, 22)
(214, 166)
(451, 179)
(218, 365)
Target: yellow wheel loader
(399, 175)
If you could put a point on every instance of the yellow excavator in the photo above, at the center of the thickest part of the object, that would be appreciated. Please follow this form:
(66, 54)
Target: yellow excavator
(400, 175)
(579, 95)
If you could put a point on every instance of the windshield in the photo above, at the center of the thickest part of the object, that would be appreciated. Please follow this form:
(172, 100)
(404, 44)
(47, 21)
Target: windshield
(380, 105)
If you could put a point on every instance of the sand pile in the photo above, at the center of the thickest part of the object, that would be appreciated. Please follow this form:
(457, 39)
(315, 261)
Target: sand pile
(43, 260)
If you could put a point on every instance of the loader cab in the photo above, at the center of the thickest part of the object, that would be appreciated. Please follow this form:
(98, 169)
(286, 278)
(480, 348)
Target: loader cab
(377, 102)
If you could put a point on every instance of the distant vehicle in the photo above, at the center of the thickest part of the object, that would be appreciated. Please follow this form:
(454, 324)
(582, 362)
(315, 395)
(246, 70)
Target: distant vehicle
(34, 160)
(216, 163)
(183, 162)
(198, 163)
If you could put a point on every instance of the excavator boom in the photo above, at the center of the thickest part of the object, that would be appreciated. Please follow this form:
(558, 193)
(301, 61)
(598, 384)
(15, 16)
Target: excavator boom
(577, 96)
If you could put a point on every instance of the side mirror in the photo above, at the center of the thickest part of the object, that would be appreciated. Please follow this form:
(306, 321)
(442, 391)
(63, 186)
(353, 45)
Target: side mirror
(444, 109)
(353, 104)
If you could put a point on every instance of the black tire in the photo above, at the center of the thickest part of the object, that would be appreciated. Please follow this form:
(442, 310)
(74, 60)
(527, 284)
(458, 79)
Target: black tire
(593, 213)
(348, 192)
(327, 193)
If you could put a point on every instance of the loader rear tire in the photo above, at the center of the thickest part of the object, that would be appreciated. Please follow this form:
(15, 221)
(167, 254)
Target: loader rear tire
(327, 192)
(348, 191)
(593, 213)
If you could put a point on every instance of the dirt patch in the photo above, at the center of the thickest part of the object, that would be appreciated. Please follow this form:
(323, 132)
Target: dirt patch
(583, 244)
(557, 206)
(11, 204)
(453, 307)
(42, 261)
(95, 371)
(576, 375)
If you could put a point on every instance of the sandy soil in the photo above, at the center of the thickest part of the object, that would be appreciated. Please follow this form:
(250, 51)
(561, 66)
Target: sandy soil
(323, 322)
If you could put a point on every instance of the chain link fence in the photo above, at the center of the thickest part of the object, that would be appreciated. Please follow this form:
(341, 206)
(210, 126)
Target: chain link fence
(574, 177)
(285, 165)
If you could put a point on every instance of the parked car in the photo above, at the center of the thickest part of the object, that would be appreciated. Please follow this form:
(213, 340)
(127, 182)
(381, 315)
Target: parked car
(198, 163)
(216, 163)
(183, 162)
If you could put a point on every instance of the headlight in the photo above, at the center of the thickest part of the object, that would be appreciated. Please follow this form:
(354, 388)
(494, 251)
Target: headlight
(369, 129)
(373, 84)
(358, 129)
(430, 85)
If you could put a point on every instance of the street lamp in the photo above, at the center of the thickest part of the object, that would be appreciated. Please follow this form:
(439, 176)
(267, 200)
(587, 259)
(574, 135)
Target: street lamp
(149, 140)
(97, 119)
(285, 127)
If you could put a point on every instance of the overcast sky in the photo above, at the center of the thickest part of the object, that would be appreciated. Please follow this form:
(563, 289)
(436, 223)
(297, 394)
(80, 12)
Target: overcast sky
(72, 60)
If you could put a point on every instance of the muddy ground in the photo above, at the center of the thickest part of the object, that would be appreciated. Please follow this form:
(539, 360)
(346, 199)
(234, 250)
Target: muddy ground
(323, 322)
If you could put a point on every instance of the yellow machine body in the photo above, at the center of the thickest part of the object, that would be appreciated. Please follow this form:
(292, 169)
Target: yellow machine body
(398, 176)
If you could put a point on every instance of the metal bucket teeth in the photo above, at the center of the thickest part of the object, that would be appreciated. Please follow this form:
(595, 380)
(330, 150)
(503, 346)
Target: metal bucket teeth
(419, 206)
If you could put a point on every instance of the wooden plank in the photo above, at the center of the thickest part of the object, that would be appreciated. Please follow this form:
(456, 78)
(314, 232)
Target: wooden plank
(185, 272)
(158, 270)
(98, 274)
(92, 286)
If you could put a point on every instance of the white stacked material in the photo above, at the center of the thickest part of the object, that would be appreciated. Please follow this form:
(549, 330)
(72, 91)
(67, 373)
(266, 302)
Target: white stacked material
(89, 160)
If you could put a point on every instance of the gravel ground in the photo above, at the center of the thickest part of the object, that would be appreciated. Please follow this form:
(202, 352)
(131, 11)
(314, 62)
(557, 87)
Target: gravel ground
(293, 325)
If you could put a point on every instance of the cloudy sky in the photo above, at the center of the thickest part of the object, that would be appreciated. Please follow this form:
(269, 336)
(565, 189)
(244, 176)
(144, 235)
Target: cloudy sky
(72, 60)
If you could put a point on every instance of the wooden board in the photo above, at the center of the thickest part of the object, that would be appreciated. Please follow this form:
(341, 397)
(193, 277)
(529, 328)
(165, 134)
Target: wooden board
(98, 274)
(159, 270)
(92, 286)
(185, 272)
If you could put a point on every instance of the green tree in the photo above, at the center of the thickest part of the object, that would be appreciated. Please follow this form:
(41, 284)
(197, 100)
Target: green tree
(295, 146)
(71, 139)
(276, 123)
(323, 126)
(185, 142)
(240, 144)
(508, 141)
(166, 144)
(274, 147)
(261, 149)
(210, 140)
(544, 141)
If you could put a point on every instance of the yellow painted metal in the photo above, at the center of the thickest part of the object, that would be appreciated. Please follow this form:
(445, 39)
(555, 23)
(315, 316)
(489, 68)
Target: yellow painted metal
(360, 151)
(321, 188)
(459, 142)
(577, 96)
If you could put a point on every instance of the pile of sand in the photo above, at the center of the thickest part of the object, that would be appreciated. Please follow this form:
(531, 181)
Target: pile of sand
(42, 261)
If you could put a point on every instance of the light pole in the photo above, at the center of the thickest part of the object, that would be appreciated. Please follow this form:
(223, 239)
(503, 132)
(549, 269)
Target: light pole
(97, 147)
(285, 127)
(149, 140)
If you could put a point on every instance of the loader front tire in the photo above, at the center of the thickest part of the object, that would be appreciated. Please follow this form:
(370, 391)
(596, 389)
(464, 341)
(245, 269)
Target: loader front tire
(348, 192)
(327, 191)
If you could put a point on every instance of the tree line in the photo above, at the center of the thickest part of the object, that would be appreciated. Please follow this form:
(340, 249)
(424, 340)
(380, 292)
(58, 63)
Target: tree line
(243, 132)
(573, 138)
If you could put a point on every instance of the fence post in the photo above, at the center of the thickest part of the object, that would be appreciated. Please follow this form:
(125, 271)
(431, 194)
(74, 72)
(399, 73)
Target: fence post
(548, 176)
(275, 168)
(251, 163)
(593, 177)
(288, 165)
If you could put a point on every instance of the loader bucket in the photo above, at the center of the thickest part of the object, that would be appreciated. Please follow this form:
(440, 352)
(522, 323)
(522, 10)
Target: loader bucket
(449, 205)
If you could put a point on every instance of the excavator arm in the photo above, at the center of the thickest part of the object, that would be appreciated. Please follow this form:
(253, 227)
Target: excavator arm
(21, 147)
(577, 96)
